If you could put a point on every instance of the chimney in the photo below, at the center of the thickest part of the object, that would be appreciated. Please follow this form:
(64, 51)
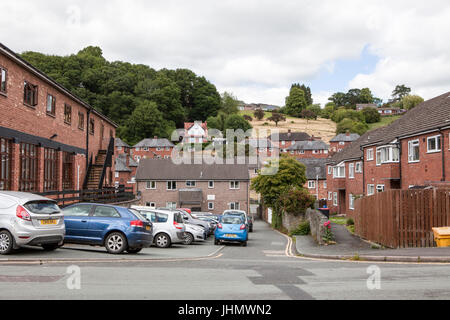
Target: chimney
(289, 133)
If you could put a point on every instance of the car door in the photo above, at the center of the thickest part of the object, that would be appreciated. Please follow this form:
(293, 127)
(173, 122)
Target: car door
(102, 219)
(76, 219)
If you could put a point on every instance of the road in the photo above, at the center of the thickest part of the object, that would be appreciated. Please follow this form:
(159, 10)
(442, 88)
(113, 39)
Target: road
(261, 271)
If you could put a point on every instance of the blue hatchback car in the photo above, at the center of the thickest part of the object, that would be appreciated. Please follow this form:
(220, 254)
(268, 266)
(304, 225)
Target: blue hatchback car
(231, 229)
(116, 228)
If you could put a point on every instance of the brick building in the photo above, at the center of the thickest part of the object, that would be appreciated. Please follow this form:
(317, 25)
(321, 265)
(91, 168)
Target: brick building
(341, 141)
(47, 134)
(155, 148)
(413, 151)
(195, 132)
(206, 188)
(286, 139)
(309, 149)
(124, 166)
(317, 177)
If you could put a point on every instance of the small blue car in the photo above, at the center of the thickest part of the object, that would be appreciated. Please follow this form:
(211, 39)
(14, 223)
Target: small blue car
(116, 228)
(231, 229)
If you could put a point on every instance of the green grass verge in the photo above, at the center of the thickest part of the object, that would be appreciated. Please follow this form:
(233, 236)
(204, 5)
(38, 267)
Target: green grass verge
(384, 122)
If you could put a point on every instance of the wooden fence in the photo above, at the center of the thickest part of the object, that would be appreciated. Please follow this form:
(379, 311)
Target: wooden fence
(402, 218)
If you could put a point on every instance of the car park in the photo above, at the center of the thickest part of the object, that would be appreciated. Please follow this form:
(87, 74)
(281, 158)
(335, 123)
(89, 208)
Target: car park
(168, 226)
(194, 234)
(116, 228)
(29, 220)
(232, 228)
(188, 218)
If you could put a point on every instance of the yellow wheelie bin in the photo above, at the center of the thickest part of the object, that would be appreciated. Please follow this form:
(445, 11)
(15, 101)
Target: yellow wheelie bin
(442, 236)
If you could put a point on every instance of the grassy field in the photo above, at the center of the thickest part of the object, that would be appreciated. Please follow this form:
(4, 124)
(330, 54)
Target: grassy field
(384, 122)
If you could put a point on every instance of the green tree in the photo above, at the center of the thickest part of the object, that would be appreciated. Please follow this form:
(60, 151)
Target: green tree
(259, 114)
(236, 122)
(371, 115)
(229, 103)
(352, 126)
(400, 91)
(328, 111)
(411, 101)
(343, 113)
(309, 115)
(307, 91)
(277, 117)
(295, 102)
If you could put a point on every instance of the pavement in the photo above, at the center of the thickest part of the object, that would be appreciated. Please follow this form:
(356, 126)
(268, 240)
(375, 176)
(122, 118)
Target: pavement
(350, 247)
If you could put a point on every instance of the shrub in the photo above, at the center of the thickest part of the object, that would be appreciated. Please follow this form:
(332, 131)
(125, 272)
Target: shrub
(371, 115)
(259, 114)
(248, 118)
(296, 201)
(350, 222)
(304, 229)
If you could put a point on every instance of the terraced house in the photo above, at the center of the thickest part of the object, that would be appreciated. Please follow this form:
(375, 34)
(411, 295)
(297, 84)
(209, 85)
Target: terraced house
(156, 148)
(47, 134)
(412, 152)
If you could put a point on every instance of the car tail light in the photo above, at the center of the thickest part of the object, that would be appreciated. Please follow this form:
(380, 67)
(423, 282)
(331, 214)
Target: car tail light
(243, 227)
(219, 226)
(177, 225)
(22, 213)
(137, 223)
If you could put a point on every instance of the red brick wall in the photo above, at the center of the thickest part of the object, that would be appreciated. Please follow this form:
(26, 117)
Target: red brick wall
(322, 189)
(379, 175)
(337, 147)
(152, 153)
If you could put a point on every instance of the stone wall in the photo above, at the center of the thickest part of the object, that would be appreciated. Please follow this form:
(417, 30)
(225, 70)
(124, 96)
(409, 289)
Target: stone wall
(317, 220)
(291, 222)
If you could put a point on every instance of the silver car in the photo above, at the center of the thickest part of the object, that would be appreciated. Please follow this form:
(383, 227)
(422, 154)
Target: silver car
(168, 226)
(194, 234)
(29, 220)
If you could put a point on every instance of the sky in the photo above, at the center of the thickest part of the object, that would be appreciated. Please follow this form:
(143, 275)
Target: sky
(254, 49)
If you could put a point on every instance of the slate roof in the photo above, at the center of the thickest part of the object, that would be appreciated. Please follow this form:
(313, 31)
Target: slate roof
(156, 169)
(154, 143)
(315, 168)
(293, 136)
(346, 138)
(119, 143)
(309, 145)
(121, 163)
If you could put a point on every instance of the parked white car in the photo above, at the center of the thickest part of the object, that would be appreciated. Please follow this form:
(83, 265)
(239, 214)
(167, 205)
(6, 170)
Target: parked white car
(29, 220)
(194, 234)
(168, 226)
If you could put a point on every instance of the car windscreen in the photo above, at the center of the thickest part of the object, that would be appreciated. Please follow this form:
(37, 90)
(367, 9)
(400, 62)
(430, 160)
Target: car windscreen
(156, 217)
(42, 207)
(232, 220)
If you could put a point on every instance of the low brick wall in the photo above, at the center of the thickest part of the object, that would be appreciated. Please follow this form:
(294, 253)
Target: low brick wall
(317, 220)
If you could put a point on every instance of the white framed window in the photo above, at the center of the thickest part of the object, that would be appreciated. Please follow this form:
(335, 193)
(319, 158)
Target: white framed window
(342, 143)
(151, 185)
(116, 174)
(370, 189)
(413, 151)
(234, 206)
(171, 185)
(311, 184)
(210, 205)
(351, 202)
(234, 185)
(358, 167)
(191, 183)
(351, 170)
(167, 148)
(301, 152)
(145, 148)
(434, 144)
(325, 151)
(211, 184)
(387, 155)
(325, 185)
(150, 204)
(119, 148)
(137, 149)
(171, 205)
(380, 188)
(330, 196)
(369, 154)
(339, 171)
(335, 199)
(158, 149)
(137, 158)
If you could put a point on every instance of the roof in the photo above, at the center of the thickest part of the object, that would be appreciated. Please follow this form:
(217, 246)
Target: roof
(427, 116)
(119, 143)
(154, 143)
(121, 163)
(156, 169)
(315, 168)
(309, 145)
(343, 137)
(19, 60)
(189, 125)
(366, 105)
(292, 136)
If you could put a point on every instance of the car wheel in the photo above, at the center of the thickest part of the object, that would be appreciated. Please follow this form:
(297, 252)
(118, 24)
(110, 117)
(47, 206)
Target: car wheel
(189, 239)
(116, 243)
(244, 244)
(162, 240)
(216, 242)
(134, 251)
(6, 242)
(50, 247)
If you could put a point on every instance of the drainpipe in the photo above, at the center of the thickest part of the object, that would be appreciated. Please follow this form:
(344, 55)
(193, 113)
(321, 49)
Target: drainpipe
(400, 155)
(443, 154)
(363, 172)
(87, 139)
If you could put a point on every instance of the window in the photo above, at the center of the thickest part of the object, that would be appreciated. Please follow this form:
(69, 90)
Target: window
(28, 179)
(171, 185)
(91, 126)
(145, 148)
(50, 169)
(51, 105)
(30, 94)
(167, 148)
(413, 151)
(434, 144)
(325, 185)
(171, 205)
(311, 184)
(137, 149)
(351, 170)
(210, 205)
(234, 185)
(339, 172)
(106, 212)
(5, 165)
(330, 196)
(351, 202)
(3, 78)
(67, 174)
(67, 114)
(387, 155)
(358, 167)
(80, 120)
(79, 210)
(341, 143)
(150, 204)
(151, 185)
(369, 154)
(211, 184)
(380, 188)
(370, 189)
(234, 206)
(117, 174)
(190, 184)
(335, 199)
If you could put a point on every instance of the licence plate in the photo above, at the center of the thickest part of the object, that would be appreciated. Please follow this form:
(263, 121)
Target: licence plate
(49, 222)
(231, 235)
(147, 228)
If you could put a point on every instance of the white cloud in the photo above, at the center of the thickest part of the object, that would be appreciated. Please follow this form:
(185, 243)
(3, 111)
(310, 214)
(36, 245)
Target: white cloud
(256, 48)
